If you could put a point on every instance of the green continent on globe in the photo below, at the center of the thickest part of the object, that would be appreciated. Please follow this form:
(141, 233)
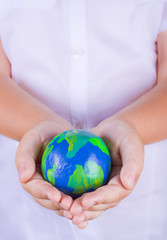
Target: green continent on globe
(76, 143)
(44, 159)
(82, 181)
(50, 174)
(99, 143)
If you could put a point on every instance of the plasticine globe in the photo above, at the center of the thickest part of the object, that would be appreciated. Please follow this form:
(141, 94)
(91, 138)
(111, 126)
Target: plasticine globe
(75, 162)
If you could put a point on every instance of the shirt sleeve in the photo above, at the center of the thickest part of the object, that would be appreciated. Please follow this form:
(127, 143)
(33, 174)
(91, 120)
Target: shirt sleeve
(163, 25)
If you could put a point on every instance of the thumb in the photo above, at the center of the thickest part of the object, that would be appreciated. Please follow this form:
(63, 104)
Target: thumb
(26, 155)
(132, 154)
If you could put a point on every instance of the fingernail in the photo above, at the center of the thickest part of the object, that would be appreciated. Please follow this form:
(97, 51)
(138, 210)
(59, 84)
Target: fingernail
(21, 171)
(131, 181)
(67, 214)
(61, 205)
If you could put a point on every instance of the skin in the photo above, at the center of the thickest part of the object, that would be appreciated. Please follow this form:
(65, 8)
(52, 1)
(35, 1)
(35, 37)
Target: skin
(125, 133)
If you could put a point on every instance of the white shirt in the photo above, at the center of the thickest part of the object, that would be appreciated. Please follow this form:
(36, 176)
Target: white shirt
(85, 59)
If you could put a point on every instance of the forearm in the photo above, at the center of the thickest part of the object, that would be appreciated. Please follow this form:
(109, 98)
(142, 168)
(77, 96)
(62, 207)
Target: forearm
(148, 115)
(19, 111)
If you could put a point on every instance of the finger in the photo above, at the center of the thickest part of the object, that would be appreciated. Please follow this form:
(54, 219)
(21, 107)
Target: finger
(132, 153)
(102, 207)
(85, 216)
(41, 189)
(98, 207)
(26, 154)
(66, 201)
(48, 204)
(67, 215)
(111, 193)
(77, 207)
(83, 225)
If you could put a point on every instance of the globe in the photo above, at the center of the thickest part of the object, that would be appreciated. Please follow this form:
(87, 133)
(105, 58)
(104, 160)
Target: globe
(76, 161)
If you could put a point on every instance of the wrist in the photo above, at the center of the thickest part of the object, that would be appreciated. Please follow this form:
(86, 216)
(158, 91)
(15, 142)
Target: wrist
(40, 119)
(115, 126)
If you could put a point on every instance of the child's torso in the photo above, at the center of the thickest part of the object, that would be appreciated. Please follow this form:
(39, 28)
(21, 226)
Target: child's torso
(84, 59)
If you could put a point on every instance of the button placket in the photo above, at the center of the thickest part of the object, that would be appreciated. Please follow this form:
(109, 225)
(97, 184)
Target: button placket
(78, 77)
(78, 52)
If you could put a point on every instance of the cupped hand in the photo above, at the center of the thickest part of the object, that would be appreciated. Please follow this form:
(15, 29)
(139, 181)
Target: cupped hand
(127, 153)
(28, 163)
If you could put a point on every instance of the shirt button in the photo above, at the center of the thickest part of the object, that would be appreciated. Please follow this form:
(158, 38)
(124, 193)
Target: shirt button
(78, 52)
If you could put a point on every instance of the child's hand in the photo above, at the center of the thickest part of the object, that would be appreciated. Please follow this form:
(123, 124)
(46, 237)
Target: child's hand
(127, 163)
(28, 163)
